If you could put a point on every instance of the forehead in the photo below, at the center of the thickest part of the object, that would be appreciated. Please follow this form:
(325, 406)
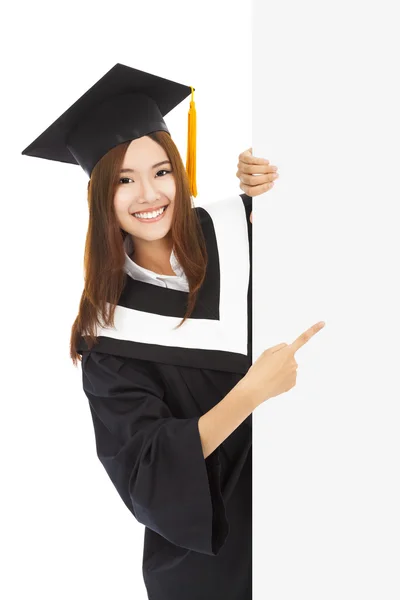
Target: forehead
(143, 152)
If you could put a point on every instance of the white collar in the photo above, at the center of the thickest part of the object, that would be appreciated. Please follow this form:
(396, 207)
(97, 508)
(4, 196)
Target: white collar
(178, 281)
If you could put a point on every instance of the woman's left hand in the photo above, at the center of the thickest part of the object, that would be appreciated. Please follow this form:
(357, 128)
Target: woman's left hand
(256, 174)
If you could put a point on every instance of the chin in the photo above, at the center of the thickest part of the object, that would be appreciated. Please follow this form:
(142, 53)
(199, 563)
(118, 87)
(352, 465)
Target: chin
(150, 233)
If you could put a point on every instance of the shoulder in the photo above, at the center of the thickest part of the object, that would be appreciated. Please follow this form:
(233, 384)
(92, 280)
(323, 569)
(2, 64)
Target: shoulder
(247, 200)
(109, 373)
(248, 205)
(221, 207)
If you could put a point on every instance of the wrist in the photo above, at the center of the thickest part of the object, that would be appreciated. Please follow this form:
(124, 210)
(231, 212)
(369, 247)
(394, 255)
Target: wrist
(249, 394)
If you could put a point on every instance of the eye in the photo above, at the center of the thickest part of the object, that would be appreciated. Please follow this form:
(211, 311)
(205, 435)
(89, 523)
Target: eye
(129, 179)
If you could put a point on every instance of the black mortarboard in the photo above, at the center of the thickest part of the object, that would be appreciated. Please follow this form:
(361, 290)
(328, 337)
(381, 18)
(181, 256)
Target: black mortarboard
(123, 105)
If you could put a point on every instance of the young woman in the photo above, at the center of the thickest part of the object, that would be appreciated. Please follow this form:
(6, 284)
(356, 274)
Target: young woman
(163, 334)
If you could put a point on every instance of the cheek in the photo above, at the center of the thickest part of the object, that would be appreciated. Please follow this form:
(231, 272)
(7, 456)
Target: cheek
(170, 188)
(121, 201)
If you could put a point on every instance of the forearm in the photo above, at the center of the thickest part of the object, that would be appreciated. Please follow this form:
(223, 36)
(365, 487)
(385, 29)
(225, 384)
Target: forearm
(219, 422)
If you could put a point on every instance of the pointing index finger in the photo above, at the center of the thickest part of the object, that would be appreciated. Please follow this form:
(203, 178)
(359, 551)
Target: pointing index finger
(306, 336)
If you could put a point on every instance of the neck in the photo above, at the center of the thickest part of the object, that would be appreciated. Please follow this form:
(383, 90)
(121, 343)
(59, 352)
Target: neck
(154, 255)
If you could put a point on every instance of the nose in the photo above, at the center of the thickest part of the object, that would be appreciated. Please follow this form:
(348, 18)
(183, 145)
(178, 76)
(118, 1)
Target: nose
(148, 192)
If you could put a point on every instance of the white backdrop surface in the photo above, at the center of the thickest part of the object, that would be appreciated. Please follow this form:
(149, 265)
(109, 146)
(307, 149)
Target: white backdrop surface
(326, 483)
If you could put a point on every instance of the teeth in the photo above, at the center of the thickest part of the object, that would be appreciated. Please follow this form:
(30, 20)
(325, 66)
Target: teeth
(150, 215)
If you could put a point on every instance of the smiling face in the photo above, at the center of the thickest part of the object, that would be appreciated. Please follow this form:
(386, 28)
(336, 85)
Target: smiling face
(146, 183)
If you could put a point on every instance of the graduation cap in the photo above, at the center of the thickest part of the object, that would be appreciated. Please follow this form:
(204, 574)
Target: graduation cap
(125, 104)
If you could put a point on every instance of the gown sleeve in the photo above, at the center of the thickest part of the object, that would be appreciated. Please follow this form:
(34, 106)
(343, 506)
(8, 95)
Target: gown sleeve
(154, 460)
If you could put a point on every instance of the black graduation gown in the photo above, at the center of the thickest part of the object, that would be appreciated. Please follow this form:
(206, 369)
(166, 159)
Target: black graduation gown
(149, 384)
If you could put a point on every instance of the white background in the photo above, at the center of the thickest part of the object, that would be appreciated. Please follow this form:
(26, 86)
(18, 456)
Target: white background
(65, 531)
(326, 247)
(325, 111)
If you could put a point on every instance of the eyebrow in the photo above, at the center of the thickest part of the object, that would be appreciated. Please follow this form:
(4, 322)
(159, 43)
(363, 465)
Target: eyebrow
(164, 162)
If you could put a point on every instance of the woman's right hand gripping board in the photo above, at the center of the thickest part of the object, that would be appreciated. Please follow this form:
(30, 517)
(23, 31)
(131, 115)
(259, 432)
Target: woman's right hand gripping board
(275, 370)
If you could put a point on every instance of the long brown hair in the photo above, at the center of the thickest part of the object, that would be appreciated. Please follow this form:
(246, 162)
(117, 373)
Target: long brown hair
(104, 256)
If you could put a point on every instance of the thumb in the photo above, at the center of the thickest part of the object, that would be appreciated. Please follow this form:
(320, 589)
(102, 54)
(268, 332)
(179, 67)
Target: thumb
(275, 348)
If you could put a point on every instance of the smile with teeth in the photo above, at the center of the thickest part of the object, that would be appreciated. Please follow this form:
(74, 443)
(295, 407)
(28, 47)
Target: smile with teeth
(150, 216)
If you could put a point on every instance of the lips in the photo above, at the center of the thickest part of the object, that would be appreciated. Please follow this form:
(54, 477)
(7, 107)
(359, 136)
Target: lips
(152, 219)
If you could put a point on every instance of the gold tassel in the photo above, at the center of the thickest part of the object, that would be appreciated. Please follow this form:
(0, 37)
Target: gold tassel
(191, 147)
